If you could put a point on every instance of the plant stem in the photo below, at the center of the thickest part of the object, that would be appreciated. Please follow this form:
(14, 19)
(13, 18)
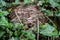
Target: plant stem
(38, 29)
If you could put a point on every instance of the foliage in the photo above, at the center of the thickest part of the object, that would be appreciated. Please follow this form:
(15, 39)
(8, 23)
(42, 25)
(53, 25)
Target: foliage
(12, 31)
(27, 2)
(3, 13)
(6, 4)
(1, 3)
(17, 2)
(48, 30)
(28, 34)
(50, 7)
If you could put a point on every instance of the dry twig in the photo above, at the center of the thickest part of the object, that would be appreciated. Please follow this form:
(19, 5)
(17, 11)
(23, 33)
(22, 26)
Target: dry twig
(17, 15)
(38, 29)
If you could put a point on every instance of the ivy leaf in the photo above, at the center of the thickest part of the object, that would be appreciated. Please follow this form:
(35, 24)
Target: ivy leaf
(14, 38)
(8, 5)
(4, 13)
(19, 26)
(53, 3)
(17, 2)
(2, 3)
(58, 15)
(28, 34)
(56, 0)
(39, 3)
(48, 30)
(4, 22)
(28, 1)
(47, 12)
(1, 33)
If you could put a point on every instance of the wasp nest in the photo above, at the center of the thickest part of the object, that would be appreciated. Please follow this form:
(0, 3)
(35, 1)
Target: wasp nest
(28, 15)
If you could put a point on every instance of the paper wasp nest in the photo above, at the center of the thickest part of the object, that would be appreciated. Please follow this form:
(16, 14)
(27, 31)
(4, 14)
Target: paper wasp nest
(28, 15)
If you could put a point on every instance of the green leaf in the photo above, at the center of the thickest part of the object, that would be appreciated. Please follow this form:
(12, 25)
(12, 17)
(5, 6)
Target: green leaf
(47, 12)
(28, 2)
(14, 38)
(2, 3)
(17, 2)
(4, 22)
(53, 3)
(16, 33)
(39, 3)
(59, 32)
(48, 30)
(28, 34)
(9, 32)
(56, 0)
(1, 33)
(58, 15)
(19, 26)
(8, 5)
(4, 13)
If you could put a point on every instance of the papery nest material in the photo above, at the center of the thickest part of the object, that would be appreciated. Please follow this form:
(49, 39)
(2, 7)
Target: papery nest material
(28, 15)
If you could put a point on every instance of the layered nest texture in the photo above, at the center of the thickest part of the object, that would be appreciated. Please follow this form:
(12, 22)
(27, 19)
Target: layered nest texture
(28, 15)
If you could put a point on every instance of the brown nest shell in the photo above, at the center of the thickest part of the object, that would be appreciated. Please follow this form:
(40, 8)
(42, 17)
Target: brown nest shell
(28, 15)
